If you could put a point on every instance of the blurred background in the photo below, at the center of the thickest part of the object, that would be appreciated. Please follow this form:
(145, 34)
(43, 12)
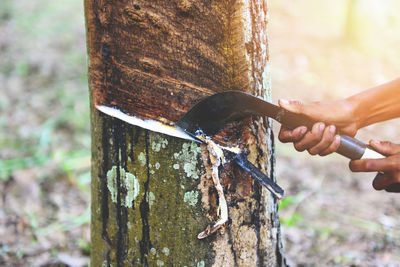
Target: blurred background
(328, 50)
(44, 134)
(320, 50)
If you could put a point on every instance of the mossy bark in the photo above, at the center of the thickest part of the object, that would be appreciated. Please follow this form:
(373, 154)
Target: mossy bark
(161, 222)
(151, 193)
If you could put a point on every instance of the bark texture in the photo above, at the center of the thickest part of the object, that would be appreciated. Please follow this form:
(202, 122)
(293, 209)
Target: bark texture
(151, 193)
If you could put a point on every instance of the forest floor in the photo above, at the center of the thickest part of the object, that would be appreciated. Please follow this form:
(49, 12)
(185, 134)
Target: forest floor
(330, 217)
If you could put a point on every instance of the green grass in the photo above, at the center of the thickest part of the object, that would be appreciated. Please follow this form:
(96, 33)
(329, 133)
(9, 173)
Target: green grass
(293, 217)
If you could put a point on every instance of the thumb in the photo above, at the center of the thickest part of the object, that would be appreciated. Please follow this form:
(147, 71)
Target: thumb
(293, 106)
(385, 147)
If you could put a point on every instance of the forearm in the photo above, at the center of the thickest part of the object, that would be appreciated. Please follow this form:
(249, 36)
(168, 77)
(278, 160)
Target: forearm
(377, 104)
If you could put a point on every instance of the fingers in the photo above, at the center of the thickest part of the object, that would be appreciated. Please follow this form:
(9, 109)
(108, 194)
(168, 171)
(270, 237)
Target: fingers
(320, 140)
(388, 177)
(311, 138)
(332, 147)
(385, 147)
(389, 164)
(388, 181)
(286, 135)
(328, 144)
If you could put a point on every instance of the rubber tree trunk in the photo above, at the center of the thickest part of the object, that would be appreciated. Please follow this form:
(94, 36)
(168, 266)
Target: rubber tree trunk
(153, 193)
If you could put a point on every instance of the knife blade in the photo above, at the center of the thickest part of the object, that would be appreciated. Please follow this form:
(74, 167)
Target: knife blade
(213, 113)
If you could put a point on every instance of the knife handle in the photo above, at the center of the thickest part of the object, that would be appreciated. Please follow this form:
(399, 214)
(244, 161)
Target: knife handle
(349, 147)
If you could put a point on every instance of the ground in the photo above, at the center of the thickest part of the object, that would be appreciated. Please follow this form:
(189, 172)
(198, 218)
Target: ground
(330, 216)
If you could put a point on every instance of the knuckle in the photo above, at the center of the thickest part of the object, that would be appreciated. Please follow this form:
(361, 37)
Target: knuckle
(331, 148)
(314, 143)
(283, 136)
(295, 136)
(299, 147)
(327, 151)
(312, 151)
(316, 136)
(355, 165)
(315, 129)
(324, 144)
(311, 139)
(335, 145)
(395, 166)
(368, 165)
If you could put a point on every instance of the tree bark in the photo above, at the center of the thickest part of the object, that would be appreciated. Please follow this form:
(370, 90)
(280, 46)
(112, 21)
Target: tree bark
(153, 193)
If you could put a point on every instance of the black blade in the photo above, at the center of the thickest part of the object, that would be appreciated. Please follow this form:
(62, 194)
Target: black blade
(213, 113)
(263, 179)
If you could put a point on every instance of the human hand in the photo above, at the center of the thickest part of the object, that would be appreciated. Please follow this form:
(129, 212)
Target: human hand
(332, 117)
(388, 177)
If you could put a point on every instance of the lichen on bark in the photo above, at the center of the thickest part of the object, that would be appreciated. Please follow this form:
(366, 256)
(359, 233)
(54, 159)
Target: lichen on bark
(188, 157)
(129, 183)
(159, 222)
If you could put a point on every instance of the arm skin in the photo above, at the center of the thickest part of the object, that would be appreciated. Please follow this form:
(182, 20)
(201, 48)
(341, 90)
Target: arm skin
(377, 104)
(346, 116)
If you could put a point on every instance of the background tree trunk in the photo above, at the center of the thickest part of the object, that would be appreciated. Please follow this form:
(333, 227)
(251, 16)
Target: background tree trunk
(152, 193)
